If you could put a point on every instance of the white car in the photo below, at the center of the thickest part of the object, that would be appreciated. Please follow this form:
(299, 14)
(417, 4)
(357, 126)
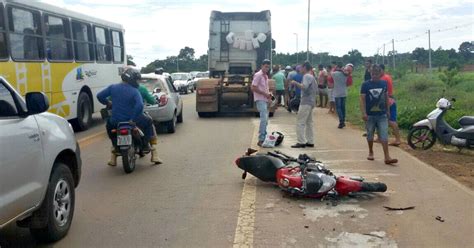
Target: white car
(40, 165)
(199, 76)
(169, 110)
(183, 82)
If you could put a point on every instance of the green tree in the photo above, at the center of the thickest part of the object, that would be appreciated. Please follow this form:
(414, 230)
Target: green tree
(466, 49)
(420, 55)
(186, 53)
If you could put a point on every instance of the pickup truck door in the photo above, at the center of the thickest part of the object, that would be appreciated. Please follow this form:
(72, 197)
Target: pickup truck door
(21, 158)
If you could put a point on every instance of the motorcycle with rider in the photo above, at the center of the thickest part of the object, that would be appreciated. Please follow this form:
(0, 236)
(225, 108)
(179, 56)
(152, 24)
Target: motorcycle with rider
(125, 100)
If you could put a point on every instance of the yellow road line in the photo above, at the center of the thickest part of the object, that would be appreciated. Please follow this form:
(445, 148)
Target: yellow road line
(91, 139)
(246, 221)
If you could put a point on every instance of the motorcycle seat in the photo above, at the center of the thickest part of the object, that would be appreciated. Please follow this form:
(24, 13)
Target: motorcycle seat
(466, 121)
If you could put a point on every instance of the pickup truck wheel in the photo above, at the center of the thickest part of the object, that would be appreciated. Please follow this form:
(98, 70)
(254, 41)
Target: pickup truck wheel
(57, 206)
(172, 124)
(180, 117)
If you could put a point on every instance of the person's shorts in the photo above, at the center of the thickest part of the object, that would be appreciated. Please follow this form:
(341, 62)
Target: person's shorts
(393, 112)
(379, 122)
(331, 95)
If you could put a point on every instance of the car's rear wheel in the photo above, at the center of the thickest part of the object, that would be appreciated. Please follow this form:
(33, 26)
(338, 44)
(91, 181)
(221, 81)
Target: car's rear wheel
(172, 124)
(57, 206)
(180, 117)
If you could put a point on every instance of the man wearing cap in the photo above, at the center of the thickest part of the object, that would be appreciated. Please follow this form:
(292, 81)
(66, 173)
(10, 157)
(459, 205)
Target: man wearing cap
(262, 96)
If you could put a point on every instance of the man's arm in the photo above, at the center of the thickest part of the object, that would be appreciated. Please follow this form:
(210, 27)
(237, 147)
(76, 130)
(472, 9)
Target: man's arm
(104, 94)
(138, 108)
(362, 107)
(387, 103)
(146, 95)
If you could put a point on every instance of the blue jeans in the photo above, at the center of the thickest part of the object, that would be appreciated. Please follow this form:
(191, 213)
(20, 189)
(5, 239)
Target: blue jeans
(144, 122)
(379, 122)
(341, 109)
(262, 108)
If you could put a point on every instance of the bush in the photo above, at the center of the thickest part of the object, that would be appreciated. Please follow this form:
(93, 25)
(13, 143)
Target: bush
(450, 77)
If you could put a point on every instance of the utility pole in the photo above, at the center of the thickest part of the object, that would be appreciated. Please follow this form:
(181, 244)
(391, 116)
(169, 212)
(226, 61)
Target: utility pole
(307, 37)
(296, 47)
(429, 49)
(393, 52)
(177, 64)
(383, 55)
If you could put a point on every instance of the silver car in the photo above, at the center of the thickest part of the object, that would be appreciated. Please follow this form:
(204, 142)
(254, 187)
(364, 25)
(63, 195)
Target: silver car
(169, 108)
(183, 82)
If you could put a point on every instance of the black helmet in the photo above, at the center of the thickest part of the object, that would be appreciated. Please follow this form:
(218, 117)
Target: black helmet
(159, 71)
(279, 139)
(131, 76)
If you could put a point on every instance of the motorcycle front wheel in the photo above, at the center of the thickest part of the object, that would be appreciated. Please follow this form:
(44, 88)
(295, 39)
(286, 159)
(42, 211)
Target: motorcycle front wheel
(128, 159)
(421, 138)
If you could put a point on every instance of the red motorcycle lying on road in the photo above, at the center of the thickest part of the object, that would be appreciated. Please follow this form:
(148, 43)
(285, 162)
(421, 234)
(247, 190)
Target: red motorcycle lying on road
(303, 176)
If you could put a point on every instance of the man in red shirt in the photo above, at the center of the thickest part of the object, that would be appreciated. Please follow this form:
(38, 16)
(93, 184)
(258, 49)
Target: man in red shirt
(393, 107)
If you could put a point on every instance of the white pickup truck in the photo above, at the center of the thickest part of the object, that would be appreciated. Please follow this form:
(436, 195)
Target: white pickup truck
(40, 165)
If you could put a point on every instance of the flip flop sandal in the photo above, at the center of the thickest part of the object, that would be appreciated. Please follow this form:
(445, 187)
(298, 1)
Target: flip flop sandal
(370, 158)
(391, 161)
(395, 144)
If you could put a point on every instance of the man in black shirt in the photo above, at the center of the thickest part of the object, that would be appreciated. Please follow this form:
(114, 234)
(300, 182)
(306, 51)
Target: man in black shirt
(368, 64)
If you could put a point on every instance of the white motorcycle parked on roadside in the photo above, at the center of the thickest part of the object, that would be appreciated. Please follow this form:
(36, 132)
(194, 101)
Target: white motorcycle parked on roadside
(424, 133)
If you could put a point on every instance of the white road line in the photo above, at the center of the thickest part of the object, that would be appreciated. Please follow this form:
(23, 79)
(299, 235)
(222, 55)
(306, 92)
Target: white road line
(246, 221)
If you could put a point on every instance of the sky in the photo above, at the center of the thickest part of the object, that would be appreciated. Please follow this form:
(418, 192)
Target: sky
(156, 29)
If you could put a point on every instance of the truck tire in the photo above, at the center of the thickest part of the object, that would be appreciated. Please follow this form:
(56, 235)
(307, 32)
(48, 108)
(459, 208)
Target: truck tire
(84, 112)
(204, 114)
(59, 216)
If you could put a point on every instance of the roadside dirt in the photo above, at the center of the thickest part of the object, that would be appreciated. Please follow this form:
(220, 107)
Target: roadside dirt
(458, 165)
(449, 160)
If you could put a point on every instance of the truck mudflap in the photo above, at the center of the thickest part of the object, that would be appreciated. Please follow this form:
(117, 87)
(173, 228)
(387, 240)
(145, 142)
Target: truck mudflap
(207, 100)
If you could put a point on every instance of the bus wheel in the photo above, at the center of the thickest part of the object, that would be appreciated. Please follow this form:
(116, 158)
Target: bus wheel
(84, 112)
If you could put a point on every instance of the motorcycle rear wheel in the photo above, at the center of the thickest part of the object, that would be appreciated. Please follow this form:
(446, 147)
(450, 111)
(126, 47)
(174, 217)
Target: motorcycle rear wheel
(373, 187)
(421, 138)
(128, 159)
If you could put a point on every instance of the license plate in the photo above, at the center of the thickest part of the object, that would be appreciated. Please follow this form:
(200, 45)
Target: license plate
(124, 140)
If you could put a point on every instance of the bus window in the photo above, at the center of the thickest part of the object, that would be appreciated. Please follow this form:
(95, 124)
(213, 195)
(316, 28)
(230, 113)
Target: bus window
(83, 47)
(117, 42)
(58, 43)
(25, 34)
(103, 47)
(3, 37)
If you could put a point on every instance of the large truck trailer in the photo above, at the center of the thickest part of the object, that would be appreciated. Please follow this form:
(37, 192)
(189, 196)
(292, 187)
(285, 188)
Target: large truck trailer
(238, 44)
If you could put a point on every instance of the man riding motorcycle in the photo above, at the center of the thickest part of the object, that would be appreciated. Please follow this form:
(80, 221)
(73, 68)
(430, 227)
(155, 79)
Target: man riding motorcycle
(128, 106)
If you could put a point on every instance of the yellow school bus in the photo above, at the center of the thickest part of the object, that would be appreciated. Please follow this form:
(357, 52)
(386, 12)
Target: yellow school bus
(67, 55)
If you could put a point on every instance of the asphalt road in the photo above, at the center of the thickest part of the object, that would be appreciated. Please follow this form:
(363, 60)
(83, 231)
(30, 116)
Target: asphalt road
(197, 198)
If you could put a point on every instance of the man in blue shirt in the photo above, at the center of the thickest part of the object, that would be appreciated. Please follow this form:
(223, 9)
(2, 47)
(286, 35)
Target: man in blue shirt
(374, 107)
(295, 92)
(127, 107)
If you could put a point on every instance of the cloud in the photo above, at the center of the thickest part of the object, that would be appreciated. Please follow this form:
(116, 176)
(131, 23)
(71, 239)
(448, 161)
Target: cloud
(156, 29)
